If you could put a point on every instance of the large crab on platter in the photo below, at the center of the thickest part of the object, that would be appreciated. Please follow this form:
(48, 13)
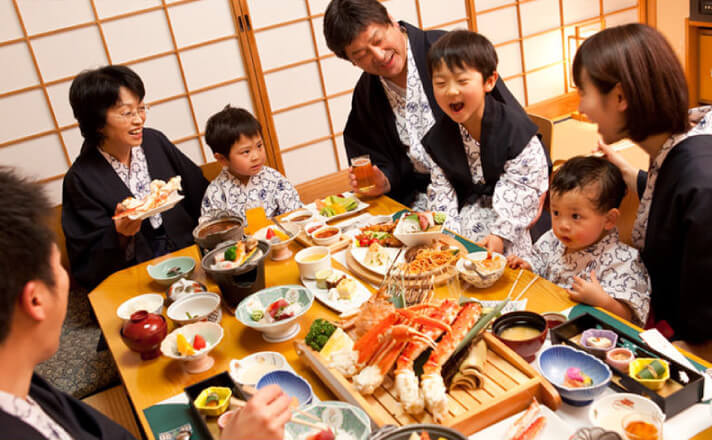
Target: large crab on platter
(397, 338)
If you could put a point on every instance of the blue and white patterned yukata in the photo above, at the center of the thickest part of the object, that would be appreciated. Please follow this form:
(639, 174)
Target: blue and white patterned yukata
(268, 189)
(515, 201)
(619, 269)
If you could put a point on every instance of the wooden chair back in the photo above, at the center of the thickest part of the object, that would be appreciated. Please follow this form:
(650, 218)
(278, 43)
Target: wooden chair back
(546, 129)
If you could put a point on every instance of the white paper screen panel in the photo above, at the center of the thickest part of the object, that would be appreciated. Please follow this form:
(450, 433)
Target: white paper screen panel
(9, 24)
(319, 156)
(23, 73)
(510, 60)
(539, 15)
(212, 64)
(48, 15)
(437, 12)
(499, 25)
(301, 125)
(290, 87)
(483, 5)
(617, 5)
(65, 54)
(624, 17)
(201, 21)
(576, 10)
(111, 8)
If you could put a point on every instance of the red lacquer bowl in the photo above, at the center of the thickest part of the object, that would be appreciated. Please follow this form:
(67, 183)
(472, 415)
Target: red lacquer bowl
(527, 347)
(143, 333)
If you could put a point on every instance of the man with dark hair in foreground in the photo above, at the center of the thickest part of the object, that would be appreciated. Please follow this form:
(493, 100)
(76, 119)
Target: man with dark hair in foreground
(33, 302)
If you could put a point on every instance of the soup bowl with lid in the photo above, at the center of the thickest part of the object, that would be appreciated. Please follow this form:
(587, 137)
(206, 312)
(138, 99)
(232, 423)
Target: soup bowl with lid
(312, 260)
(522, 331)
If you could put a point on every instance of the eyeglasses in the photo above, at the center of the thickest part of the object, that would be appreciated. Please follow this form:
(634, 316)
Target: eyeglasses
(130, 115)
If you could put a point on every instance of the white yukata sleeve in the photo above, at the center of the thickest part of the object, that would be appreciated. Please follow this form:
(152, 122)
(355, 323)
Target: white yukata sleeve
(626, 280)
(442, 197)
(517, 193)
(542, 253)
(287, 195)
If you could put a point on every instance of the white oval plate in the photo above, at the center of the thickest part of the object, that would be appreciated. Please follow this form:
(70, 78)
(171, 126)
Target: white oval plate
(359, 297)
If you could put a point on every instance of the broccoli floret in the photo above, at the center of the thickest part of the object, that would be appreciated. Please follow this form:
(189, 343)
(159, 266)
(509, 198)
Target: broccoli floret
(231, 253)
(319, 333)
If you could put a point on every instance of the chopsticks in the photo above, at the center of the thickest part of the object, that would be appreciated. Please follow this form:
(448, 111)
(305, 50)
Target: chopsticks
(533, 280)
(320, 425)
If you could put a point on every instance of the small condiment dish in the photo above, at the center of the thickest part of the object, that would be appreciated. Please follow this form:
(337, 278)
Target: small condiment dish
(249, 370)
(223, 404)
(326, 235)
(300, 217)
(169, 271)
(196, 307)
(150, 302)
(639, 364)
(599, 348)
(619, 358)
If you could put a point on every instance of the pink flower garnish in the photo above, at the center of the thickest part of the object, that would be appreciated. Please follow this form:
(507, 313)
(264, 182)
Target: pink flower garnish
(574, 373)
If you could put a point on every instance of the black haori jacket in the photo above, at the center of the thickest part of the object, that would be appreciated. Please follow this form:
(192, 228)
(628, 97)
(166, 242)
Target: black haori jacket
(506, 130)
(678, 241)
(371, 127)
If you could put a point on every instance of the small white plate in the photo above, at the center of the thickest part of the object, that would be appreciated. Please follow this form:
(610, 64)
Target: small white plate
(555, 427)
(359, 254)
(360, 296)
(170, 202)
(361, 206)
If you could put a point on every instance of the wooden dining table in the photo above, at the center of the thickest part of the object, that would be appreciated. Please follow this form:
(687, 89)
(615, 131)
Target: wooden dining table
(152, 381)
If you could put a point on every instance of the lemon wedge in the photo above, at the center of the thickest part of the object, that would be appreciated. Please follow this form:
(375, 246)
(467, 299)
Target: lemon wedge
(337, 341)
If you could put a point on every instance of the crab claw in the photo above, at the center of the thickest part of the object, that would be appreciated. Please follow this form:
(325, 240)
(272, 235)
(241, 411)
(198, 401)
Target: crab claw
(403, 333)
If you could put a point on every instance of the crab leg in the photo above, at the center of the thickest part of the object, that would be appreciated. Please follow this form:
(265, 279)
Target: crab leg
(432, 382)
(406, 383)
(393, 342)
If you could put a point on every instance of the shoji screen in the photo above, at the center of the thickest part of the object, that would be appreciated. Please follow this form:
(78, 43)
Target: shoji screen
(531, 39)
(309, 89)
(187, 52)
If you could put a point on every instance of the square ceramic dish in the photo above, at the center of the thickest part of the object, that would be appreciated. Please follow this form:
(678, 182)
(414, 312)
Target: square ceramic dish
(682, 390)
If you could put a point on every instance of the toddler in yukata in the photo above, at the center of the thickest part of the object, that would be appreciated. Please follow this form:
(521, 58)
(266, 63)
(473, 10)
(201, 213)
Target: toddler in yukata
(235, 136)
(583, 252)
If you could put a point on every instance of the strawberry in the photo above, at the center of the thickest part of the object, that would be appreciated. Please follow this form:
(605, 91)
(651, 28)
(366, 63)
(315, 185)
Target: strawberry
(270, 234)
(199, 342)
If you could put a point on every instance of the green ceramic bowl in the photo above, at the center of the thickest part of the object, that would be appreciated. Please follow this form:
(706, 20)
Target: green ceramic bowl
(168, 271)
(339, 416)
(281, 330)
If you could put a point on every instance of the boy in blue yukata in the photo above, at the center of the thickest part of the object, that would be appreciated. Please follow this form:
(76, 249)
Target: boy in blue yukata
(235, 137)
(583, 252)
(485, 145)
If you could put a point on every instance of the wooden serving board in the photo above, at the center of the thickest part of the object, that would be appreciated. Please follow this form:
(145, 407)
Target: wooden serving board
(343, 242)
(510, 384)
(442, 275)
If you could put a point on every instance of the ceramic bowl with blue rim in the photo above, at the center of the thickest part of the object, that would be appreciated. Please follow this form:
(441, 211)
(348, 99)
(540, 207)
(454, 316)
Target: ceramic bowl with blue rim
(345, 420)
(293, 385)
(171, 270)
(275, 311)
(555, 360)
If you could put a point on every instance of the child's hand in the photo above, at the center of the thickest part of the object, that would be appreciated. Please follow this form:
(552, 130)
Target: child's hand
(492, 243)
(518, 263)
(589, 292)
(381, 185)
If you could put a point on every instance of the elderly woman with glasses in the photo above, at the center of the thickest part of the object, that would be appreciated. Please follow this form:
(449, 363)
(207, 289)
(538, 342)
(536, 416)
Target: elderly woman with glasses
(119, 159)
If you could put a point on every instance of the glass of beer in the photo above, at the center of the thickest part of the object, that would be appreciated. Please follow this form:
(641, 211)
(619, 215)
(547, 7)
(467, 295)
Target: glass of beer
(363, 170)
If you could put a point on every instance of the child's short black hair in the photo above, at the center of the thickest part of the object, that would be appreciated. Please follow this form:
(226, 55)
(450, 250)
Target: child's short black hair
(225, 127)
(462, 48)
(581, 171)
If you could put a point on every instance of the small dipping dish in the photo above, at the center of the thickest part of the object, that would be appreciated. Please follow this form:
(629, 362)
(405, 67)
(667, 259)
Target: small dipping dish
(598, 341)
(522, 331)
(619, 358)
(554, 319)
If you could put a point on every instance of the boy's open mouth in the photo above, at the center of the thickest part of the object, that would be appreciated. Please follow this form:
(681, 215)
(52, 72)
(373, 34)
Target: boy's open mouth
(456, 107)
